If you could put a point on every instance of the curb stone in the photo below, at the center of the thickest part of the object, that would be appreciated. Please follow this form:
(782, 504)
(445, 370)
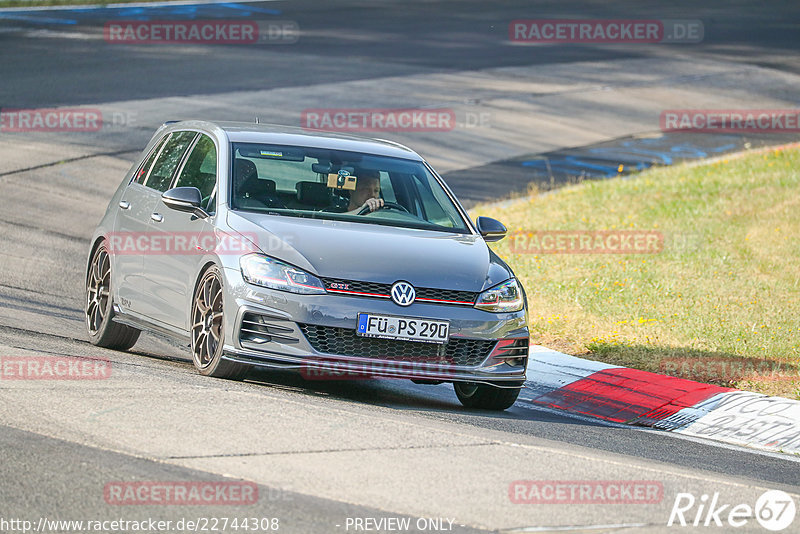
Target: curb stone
(634, 397)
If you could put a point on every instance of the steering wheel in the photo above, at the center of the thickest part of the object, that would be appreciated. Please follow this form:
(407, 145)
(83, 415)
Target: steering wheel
(386, 205)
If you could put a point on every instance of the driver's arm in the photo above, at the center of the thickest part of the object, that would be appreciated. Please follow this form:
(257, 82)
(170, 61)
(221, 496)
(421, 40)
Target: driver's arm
(374, 204)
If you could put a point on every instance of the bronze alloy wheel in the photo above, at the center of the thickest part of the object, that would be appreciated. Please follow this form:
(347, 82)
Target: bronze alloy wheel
(207, 320)
(208, 329)
(98, 284)
(99, 311)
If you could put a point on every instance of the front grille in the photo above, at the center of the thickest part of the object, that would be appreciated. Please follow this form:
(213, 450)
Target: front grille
(378, 290)
(335, 284)
(467, 297)
(345, 342)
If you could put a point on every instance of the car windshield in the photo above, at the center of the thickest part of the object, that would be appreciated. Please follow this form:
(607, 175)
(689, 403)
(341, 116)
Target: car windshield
(334, 184)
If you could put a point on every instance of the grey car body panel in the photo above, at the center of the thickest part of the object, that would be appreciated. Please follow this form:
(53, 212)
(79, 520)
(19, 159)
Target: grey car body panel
(386, 254)
(336, 249)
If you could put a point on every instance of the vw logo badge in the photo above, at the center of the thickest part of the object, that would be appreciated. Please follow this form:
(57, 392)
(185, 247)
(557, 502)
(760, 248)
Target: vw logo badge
(403, 293)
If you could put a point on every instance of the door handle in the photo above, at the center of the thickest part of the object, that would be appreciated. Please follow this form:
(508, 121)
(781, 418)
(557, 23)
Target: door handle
(157, 217)
(124, 204)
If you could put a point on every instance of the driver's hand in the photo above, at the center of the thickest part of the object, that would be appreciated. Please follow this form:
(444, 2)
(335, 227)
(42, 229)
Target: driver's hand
(373, 204)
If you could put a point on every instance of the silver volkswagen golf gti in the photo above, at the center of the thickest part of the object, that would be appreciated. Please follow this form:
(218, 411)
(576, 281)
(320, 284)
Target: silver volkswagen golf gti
(337, 256)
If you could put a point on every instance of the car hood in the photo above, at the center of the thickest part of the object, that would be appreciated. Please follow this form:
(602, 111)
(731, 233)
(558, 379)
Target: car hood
(374, 253)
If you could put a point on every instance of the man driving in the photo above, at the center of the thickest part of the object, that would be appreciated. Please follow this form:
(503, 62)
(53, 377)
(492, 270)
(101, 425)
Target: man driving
(367, 193)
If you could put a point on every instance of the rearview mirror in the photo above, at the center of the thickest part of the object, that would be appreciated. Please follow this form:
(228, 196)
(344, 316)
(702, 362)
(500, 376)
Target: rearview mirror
(491, 229)
(322, 168)
(187, 199)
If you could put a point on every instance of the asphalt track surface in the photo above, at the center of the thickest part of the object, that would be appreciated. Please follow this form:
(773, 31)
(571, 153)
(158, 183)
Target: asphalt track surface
(320, 451)
(360, 40)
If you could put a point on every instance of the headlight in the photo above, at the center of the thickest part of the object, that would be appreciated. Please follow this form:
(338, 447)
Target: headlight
(274, 274)
(505, 297)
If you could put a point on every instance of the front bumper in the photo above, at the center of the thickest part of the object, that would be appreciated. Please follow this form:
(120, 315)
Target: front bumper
(270, 330)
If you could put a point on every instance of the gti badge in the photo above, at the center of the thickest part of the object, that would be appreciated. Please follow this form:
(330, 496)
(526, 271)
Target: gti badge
(403, 293)
(337, 285)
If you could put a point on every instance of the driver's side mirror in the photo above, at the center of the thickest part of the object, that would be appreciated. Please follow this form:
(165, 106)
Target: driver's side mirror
(186, 199)
(491, 229)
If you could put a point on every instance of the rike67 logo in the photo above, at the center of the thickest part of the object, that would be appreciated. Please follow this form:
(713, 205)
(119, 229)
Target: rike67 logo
(774, 510)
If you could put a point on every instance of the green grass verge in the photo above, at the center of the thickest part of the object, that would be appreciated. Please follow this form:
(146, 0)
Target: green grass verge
(720, 303)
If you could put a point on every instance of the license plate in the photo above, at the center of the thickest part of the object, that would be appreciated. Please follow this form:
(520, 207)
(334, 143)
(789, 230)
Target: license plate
(408, 328)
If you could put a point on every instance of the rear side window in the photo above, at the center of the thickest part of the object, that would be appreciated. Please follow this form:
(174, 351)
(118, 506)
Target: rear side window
(160, 175)
(141, 175)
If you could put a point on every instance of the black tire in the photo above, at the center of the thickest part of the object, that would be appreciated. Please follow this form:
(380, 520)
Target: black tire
(486, 397)
(208, 330)
(99, 308)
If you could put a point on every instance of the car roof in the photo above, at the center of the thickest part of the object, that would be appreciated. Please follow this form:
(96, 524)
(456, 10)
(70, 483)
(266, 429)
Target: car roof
(245, 132)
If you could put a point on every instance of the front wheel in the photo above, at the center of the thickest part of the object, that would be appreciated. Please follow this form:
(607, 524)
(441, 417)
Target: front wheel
(99, 309)
(485, 397)
(208, 330)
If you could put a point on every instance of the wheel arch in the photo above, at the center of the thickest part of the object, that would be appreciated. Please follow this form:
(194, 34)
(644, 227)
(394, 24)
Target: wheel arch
(92, 250)
(200, 274)
(203, 270)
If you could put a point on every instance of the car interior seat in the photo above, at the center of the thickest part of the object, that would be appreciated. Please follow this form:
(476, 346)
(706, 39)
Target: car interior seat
(252, 191)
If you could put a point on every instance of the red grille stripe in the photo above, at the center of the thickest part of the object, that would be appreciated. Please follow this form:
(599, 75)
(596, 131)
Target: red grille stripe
(358, 293)
(447, 301)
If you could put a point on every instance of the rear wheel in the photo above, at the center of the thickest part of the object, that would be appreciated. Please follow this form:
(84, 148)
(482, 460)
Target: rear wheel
(99, 311)
(208, 330)
(484, 396)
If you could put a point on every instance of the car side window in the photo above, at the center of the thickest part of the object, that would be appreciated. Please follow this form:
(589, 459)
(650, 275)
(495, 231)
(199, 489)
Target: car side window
(141, 175)
(164, 167)
(200, 170)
